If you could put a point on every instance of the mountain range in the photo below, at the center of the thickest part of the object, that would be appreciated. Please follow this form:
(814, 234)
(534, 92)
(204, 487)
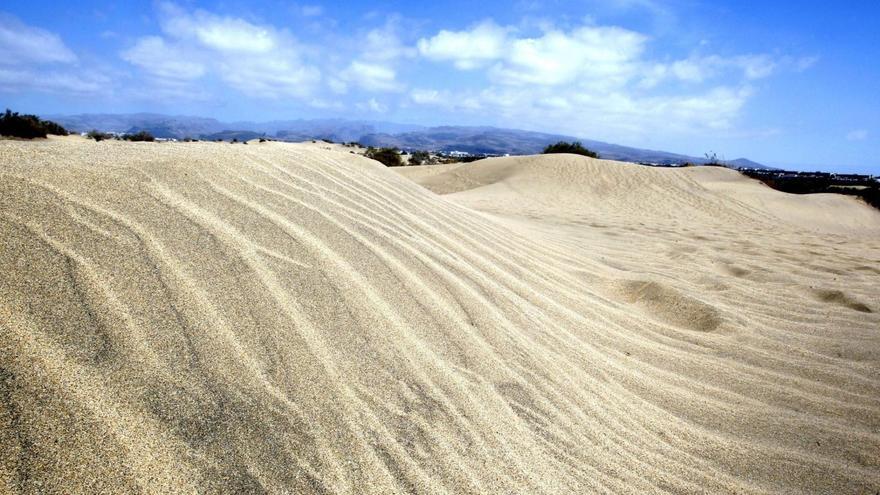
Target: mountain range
(474, 140)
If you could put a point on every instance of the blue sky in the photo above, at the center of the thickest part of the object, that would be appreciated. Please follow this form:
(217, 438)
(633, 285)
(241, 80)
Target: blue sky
(784, 83)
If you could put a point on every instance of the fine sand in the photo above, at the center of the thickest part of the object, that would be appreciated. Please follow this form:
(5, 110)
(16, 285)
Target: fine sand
(206, 317)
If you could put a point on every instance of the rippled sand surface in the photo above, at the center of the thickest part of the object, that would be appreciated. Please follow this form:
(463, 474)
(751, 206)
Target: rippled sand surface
(205, 317)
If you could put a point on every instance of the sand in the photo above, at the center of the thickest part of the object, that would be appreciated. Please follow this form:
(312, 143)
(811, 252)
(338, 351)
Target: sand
(293, 318)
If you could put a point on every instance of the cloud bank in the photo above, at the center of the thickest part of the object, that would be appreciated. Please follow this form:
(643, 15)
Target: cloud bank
(576, 78)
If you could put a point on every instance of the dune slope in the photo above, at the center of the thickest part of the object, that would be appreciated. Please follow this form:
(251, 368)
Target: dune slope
(203, 317)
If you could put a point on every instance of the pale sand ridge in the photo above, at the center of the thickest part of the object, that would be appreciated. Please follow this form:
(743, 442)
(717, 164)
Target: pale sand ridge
(204, 317)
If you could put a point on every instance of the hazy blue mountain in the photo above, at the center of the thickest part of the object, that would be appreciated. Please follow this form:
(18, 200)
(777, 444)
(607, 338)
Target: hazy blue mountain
(746, 163)
(230, 135)
(491, 140)
(167, 126)
(476, 140)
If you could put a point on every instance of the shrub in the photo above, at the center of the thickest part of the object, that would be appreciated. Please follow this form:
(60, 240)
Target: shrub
(419, 158)
(54, 128)
(98, 135)
(712, 160)
(390, 157)
(262, 140)
(27, 126)
(574, 148)
(139, 136)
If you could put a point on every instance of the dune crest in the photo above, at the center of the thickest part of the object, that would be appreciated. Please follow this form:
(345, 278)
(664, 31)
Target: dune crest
(203, 317)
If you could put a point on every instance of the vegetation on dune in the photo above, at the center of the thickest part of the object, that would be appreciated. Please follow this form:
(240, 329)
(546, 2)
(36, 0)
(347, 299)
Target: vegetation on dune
(390, 157)
(819, 182)
(712, 160)
(575, 148)
(419, 158)
(139, 136)
(13, 124)
(98, 135)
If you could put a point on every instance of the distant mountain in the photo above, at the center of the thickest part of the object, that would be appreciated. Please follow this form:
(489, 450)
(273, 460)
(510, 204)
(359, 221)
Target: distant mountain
(491, 140)
(746, 163)
(230, 135)
(180, 126)
(337, 130)
(475, 140)
(164, 126)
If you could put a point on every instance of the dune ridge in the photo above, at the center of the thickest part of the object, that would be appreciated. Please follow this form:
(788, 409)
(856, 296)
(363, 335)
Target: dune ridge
(202, 317)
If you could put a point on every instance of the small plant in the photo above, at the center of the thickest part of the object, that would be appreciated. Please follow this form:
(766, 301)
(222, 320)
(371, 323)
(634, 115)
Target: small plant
(262, 140)
(574, 148)
(390, 157)
(712, 160)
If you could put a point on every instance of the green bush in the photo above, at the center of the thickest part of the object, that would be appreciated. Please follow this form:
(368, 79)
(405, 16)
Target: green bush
(28, 126)
(574, 148)
(390, 157)
(98, 135)
(139, 136)
(419, 158)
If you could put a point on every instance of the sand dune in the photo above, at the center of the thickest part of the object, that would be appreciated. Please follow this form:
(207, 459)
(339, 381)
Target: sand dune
(203, 317)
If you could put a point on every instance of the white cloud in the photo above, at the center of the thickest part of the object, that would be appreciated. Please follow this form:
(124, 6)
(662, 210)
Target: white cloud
(698, 69)
(372, 77)
(372, 105)
(269, 77)
(33, 59)
(428, 97)
(62, 82)
(466, 49)
(755, 66)
(258, 60)
(590, 80)
(594, 55)
(857, 135)
(375, 67)
(154, 55)
(20, 43)
(385, 44)
(225, 34)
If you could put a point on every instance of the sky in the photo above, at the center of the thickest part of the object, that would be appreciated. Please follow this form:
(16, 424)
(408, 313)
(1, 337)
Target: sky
(786, 83)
